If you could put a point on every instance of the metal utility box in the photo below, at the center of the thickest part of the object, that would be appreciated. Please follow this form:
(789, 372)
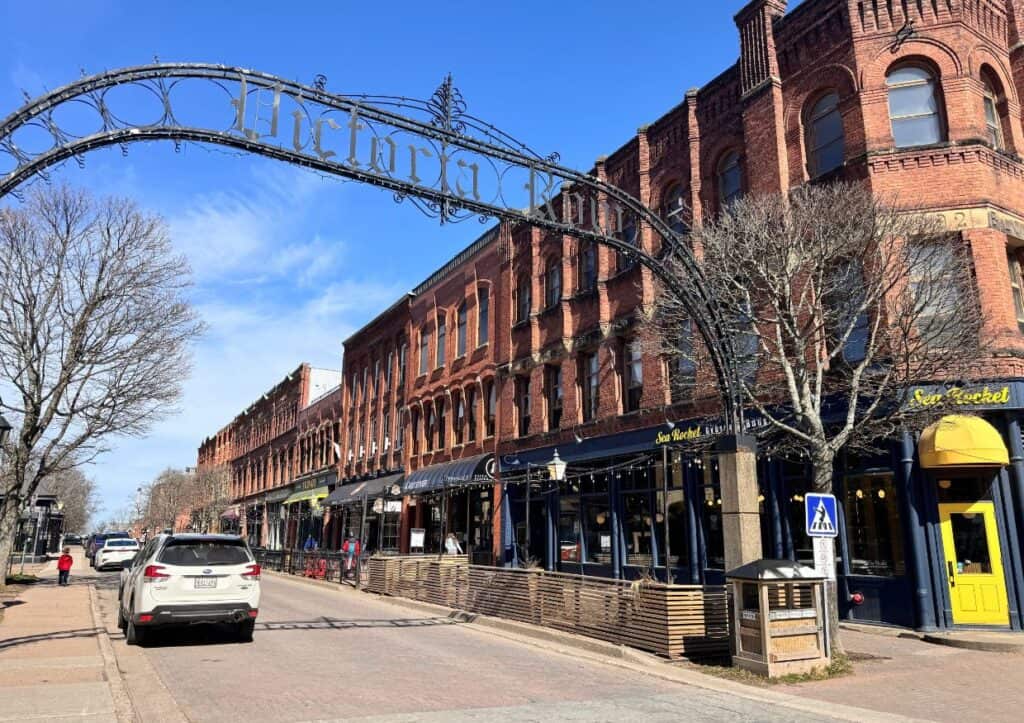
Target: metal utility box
(778, 618)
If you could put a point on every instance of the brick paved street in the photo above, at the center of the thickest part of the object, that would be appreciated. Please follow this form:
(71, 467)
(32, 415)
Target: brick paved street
(322, 654)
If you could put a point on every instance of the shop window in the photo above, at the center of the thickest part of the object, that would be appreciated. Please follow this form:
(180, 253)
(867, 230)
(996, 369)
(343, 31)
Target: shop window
(586, 267)
(424, 351)
(913, 107)
(552, 283)
(873, 530)
(460, 342)
(460, 418)
(992, 101)
(1016, 285)
(638, 528)
(589, 381)
(632, 376)
(730, 179)
(627, 235)
(483, 306)
(441, 333)
(597, 530)
(570, 529)
(674, 209)
(826, 148)
(523, 405)
(471, 414)
(553, 394)
(711, 514)
(491, 404)
(523, 304)
(796, 479)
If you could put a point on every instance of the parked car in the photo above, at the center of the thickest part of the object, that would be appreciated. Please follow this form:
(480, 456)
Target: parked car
(98, 540)
(190, 579)
(115, 551)
(71, 539)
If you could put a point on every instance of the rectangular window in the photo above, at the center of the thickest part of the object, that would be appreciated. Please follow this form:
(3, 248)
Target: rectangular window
(441, 333)
(402, 354)
(588, 384)
(387, 370)
(424, 351)
(491, 402)
(553, 393)
(523, 404)
(399, 429)
(460, 343)
(598, 529)
(415, 432)
(375, 382)
(386, 432)
(937, 289)
(460, 420)
(471, 414)
(1016, 284)
(633, 376)
(441, 431)
(638, 528)
(873, 529)
(483, 301)
(366, 389)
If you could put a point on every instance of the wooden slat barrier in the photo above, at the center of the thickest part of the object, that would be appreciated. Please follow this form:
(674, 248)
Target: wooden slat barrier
(670, 620)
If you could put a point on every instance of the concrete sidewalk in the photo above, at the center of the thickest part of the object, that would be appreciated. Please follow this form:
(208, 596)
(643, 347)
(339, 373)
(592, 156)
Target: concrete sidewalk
(54, 664)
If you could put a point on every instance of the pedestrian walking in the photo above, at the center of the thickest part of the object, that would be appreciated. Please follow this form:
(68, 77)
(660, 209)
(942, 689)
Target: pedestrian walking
(451, 544)
(64, 564)
(351, 547)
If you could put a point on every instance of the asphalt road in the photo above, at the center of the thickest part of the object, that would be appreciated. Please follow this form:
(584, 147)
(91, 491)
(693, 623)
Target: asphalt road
(320, 654)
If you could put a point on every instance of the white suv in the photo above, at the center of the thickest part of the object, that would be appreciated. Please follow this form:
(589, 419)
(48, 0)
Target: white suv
(188, 579)
(114, 552)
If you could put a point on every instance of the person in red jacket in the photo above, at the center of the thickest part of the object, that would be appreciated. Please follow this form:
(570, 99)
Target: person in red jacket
(64, 567)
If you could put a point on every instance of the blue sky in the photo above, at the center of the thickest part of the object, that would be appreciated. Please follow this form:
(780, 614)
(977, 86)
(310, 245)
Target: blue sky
(287, 264)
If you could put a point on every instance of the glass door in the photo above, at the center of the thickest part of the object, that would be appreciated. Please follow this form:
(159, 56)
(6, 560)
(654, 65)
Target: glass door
(974, 569)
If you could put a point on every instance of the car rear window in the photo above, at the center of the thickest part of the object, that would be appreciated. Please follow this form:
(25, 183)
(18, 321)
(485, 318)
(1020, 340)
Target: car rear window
(121, 543)
(191, 553)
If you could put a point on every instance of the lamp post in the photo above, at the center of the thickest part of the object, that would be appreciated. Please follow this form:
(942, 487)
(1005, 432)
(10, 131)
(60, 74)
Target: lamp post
(556, 473)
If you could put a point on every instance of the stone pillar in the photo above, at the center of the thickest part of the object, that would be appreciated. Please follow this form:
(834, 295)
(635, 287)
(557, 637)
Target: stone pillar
(741, 521)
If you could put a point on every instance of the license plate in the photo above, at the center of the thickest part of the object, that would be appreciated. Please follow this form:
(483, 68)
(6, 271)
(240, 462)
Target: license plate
(206, 582)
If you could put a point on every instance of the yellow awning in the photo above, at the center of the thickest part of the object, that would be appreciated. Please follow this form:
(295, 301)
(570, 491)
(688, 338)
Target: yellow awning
(961, 440)
(315, 495)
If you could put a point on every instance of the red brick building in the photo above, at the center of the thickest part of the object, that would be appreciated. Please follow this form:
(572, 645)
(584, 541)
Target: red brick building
(917, 99)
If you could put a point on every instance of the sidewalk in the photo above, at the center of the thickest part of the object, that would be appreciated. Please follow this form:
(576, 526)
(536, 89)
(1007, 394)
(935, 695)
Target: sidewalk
(52, 661)
(919, 679)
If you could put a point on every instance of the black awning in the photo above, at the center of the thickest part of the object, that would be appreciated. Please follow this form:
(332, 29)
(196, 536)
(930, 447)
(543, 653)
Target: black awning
(355, 492)
(457, 473)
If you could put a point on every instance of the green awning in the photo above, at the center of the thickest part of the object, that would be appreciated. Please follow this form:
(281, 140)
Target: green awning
(315, 494)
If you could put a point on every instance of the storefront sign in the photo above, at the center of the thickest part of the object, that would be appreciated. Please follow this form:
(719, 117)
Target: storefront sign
(988, 396)
(678, 435)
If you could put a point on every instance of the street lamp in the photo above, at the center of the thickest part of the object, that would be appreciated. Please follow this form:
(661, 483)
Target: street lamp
(556, 468)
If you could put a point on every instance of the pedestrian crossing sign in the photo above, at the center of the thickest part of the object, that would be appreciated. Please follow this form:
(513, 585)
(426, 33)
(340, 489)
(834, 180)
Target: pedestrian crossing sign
(820, 514)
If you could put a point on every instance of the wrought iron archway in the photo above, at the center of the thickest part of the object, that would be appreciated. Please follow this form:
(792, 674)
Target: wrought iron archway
(432, 153)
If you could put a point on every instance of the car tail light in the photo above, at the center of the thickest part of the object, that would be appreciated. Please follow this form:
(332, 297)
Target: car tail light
(252, 572)
(253, 613)
(145, 618)
(154, 573)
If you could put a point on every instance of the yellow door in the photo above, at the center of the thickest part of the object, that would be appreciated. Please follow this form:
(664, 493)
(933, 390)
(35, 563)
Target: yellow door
(974, 566)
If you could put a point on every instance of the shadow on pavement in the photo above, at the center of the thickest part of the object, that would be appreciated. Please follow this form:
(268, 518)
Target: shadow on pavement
(6, 643)
(217, 634)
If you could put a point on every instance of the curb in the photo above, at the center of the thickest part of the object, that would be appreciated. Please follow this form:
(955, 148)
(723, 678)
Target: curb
(123, 708)
(597, 651)
(986, 646)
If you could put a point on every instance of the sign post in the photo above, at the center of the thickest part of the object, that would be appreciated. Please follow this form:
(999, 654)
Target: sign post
(822, 526)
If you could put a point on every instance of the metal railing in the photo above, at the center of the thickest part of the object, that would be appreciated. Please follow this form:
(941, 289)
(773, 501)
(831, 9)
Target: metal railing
(314, 564)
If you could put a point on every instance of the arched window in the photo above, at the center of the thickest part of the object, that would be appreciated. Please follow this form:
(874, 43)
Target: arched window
(674, 209)
(993, 119)
(586, 272)
(523, 304)
(913, 107)
(730, 179)
(826, 147)
(552, 282)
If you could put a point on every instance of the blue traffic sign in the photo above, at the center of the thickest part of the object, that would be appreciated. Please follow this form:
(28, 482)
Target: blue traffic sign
(820, 515)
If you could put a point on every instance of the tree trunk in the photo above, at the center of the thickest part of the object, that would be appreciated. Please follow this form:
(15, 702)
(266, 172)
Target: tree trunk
(823, 463)
(8, 526)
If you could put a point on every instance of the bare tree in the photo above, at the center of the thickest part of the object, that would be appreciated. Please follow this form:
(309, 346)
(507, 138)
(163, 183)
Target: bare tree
(77, 494)
(94, 334)
(210, 496)
(169, 496)
(834, 303)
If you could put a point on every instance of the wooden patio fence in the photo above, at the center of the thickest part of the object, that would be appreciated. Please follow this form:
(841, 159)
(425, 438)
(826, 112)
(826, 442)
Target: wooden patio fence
(670, 620)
